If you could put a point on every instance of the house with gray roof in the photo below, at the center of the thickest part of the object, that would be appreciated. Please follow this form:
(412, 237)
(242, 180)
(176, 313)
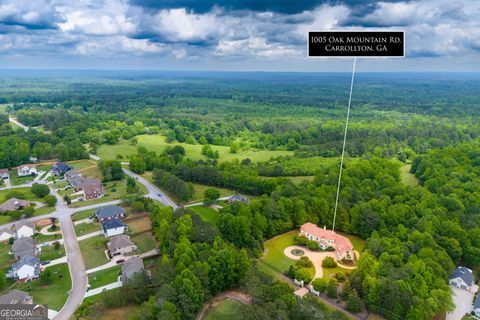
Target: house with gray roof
(120, 245)
(60, 168)
(24, 247)
(131, 267)
(113, 227)
(238, 198)
(110, 212)
(461, 277)
(16, 297)
(72, 173)
(24, 229)
(13, 204)
(27, 268)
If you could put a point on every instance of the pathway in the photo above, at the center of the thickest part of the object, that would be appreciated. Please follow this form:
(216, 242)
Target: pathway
(107, 287)
(15, 121)
(45, 231)
(55, 262)
(110, 264)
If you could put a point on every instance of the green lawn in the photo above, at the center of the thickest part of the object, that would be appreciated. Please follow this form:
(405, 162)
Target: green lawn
(43, 210)
(200, 189)
(54, 294)
(15, 180)
(83, 214)
(144, 241)
(194, 151)
(274, 257)
(330, 272)
(93, 251)
(407, 177)
(227, 309)
(24, 193)
(5, 219)
(207, 214)
(6, 260)
(86, 228)
(41, 238)
(49, 253)
(82, 164)
(103, 277)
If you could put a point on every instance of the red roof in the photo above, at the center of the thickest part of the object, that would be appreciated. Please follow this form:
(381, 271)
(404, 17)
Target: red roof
(342, 244)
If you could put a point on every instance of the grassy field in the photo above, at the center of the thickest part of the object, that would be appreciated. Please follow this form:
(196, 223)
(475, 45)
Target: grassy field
(54, 294)
(194, 151)
(86, 228)
(82, 164)
(24, 193)
(207, 214)
(294, 179)
(144, 241)
(93, 251)
(6, 260)
(103, 277)
(407, 177)
(200, 189)
(15, 180)
(274, 256)
(41, 238)
(83, 214)
(49, 253)
(227, 309)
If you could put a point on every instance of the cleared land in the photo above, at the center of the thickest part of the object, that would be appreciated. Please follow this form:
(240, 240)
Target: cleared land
(54, 294)
(194, 151)
(207, 214)
(103, 277)
(227, 309)
(93, 251)
(407, 177)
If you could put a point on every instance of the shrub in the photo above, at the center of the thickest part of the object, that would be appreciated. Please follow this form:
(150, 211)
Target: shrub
(300, 240)
(15, 194)
(332, 287)
(320, 284)
(50, 200)
(138, 206)
(312, 245)
(304, 262)
(340, 276)
(28, 211)
(329, 262)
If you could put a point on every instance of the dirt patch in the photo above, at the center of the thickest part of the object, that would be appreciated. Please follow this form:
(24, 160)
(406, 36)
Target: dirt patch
(43, 222)
(139, 224)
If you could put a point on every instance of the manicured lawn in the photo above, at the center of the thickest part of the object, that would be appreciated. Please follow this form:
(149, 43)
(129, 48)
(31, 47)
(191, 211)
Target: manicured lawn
(81, 164)
(5, 219)
(41, 238)
(144, 241)
(54, 294)
(43, 210)
(15, 180)
(103, 277)
(83, 214)
(330, 272)
(25, 193)
(93, 251)
(207, 214)
(227, 309)
(157, 143)
(49, 253)
(86, 228)
(139, 224)
(6, 260)
(200, 189)
(274, 256)
(407, 177)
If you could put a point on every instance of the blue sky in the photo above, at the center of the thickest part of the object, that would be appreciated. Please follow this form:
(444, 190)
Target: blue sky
(252, 35)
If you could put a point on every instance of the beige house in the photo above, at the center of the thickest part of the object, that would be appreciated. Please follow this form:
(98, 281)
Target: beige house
(13, 204)
(120, 245)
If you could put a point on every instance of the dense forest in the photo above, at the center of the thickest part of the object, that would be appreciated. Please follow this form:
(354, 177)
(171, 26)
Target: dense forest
(415, 236)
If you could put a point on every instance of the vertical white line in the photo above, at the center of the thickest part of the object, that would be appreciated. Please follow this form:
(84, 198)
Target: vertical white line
(343, 147)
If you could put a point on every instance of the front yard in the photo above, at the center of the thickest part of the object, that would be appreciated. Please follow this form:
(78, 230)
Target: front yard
(86, 228)
(93, 251)
(50, 253)
(83, 214)
(103, 277)
(54, 294)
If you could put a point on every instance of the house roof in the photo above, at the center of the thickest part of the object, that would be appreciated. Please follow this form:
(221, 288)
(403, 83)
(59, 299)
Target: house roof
(132, 266)
(26, 243)
(94, 186)
(342, 244)
(109, 211)
(13, 203)
(30, 166)
(118, 242)
(29, 261)
(3, 170)
(7, 230)
(61, 167)
(20, 224)
(476, 304)
(15, 297)
(238, 197)
(464, 273)
(72, 173)
(112, 224)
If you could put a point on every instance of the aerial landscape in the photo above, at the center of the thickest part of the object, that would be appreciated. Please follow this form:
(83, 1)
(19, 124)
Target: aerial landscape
(187, 160)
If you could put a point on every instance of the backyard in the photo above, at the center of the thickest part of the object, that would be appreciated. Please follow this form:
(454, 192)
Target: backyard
(93, 251)
(103, 277)
(55, 294)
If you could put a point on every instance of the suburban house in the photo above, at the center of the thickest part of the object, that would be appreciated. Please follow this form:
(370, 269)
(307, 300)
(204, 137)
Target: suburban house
(27, 268)
(16, 297)
(24, 247)
(120, 245)
(462, 278)
(238, 198)
(110, 212)
(60, 168)
(113, 227)
(27, 170)
(4, 174)
(92, 189)
(327, 238)
(13, 204)
(75, 181)
(72, 173)
(476, 306)
(5, 234)
(131, 267)
(24, 229)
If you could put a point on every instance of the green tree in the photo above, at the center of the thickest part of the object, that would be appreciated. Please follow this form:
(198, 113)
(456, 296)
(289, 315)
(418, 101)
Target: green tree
(50, 200)
(137, 164)
(40, 190)
(132, 187)
(354, 303)
(332, 287)
(211, 196)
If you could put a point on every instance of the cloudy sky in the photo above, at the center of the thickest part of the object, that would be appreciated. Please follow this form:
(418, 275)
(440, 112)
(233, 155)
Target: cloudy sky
(441, 35)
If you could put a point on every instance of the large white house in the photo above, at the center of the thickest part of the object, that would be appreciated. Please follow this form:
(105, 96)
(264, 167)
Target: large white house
(327, 238)
(27, 268)
(462, 278)
(113, 227)
(26, 170)
(5, 234)
(24, 229)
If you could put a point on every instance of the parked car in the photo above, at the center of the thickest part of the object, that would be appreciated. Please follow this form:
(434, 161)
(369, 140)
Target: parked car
(120, 261)
(44, 263)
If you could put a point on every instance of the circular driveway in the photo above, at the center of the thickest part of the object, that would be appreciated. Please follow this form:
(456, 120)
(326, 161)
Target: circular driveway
(314, 256)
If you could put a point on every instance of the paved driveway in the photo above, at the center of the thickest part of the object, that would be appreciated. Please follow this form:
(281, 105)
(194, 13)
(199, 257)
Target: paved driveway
(463, 301)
